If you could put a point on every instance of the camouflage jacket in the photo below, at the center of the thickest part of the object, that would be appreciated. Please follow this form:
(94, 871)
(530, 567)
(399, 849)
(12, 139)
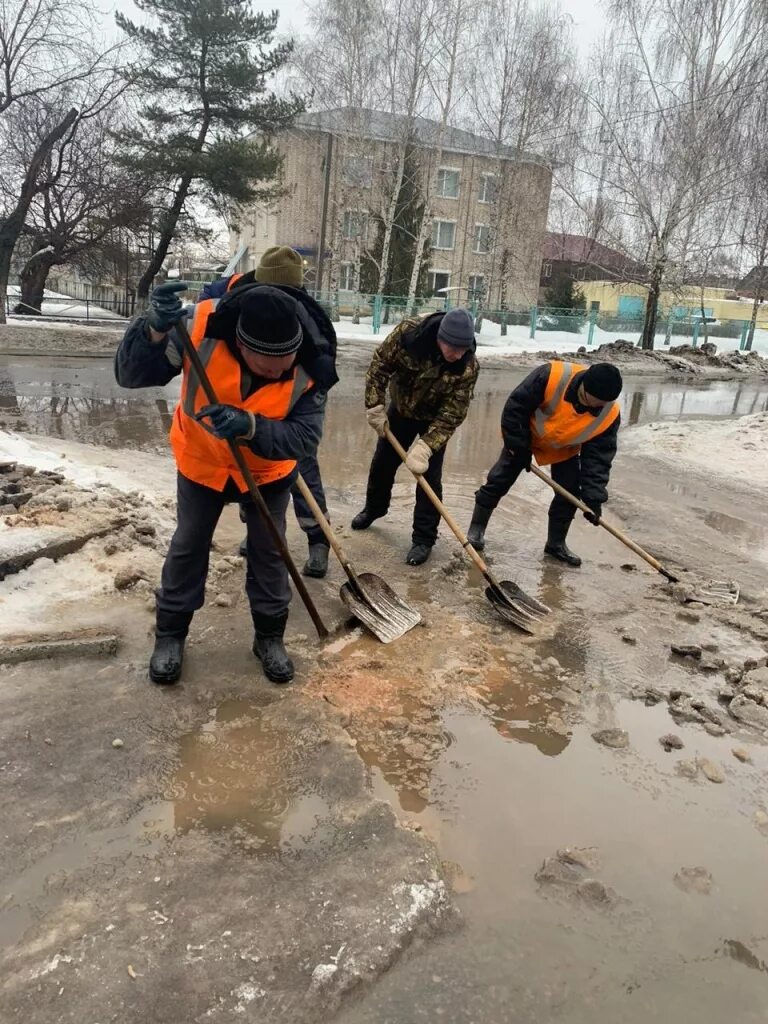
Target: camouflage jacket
(422, 385)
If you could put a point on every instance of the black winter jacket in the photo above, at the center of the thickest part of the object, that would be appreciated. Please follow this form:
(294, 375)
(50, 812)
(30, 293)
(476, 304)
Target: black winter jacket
(596, 455)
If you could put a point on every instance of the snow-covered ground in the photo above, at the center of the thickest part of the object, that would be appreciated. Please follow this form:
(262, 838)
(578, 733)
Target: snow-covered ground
(100, 484)
(518, 338)
(735, 449)
(56, 304)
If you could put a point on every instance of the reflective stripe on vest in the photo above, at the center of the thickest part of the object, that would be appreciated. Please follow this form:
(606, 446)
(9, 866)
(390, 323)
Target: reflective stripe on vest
(557, 430)
(200, 455)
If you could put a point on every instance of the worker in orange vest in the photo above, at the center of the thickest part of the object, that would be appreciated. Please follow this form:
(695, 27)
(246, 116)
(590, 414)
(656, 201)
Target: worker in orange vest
(565, 415)
(260, 365)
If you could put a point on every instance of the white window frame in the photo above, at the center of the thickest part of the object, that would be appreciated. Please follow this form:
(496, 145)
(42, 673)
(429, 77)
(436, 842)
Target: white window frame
(362, 216)
(347, 272)
(431, 278)
(449, 170)
(475, 277)
(361, 180)
(484, 176)
(443, 248)
(476, 241)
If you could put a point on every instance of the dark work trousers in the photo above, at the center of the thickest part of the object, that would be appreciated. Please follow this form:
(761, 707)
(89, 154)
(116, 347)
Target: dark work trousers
(508, 468)
(310, 470)
(182, 586)
(385, 464)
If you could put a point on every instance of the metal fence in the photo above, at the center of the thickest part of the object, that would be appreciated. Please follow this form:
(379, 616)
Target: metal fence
(589, 328)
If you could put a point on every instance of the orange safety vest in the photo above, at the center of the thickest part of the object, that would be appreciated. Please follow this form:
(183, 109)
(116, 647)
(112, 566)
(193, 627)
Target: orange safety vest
(200, 455)
(557, 430)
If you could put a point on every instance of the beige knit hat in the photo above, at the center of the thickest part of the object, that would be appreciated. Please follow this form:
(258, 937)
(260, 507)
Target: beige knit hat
(281, 265)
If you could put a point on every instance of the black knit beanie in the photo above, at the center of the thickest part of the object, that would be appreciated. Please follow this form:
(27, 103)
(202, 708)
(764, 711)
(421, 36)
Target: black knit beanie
(603, 381)
(269, 322)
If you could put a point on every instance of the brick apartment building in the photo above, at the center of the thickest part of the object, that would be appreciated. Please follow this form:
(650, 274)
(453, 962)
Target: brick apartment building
(489, 210)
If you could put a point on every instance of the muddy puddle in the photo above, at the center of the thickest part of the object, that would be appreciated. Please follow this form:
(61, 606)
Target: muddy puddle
(236, 772)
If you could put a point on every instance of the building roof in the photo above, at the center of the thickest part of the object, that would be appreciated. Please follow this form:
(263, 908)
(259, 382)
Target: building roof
(381, 126)
(566, 248)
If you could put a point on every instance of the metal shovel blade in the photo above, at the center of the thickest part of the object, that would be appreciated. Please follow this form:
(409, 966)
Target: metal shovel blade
(519, 597)
(379, 608)
(509, 608)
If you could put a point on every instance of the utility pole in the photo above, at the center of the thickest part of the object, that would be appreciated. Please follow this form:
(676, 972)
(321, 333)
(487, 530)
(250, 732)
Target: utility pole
(324, 214)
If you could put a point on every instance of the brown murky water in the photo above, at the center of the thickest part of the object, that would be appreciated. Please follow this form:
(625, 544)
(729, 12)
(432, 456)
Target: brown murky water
(483, 738)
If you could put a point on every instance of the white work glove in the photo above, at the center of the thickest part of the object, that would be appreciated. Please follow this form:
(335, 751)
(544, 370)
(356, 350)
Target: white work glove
(418, 457)
(377, 418)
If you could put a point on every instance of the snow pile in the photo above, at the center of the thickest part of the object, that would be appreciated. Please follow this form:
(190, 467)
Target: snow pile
(89, 466)
(736, 449)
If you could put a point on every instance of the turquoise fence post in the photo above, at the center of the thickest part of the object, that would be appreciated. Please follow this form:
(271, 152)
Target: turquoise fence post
(376, 317)
(592, 325)
(534, 315)
(744, 332)
(696, 329)
(503, 331)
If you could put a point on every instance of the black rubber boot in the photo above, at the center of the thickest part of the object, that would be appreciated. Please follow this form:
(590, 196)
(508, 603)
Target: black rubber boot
(476, 532)
(316, 566)
(269, 648)
(418, 554)
(363, 520)
(168, 655)
(556, 546)
(243, 549)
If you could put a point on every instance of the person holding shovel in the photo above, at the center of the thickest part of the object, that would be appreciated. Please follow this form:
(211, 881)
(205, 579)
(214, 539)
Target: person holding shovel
(253, 347)
(282, 267)
(565, 415)
(430, 369)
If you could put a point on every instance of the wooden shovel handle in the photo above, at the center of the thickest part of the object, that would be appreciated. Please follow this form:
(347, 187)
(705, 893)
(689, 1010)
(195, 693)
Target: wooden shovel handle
(457, 530)
(325, 526)
(558, 489)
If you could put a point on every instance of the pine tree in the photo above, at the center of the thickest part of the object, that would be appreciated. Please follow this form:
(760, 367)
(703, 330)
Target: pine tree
(203, 68)
(564, 293)
(408, 214)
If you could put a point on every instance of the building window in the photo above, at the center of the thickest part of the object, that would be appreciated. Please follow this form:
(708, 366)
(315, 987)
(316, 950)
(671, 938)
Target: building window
(355, 224)
(347, 277)
(482, 239)
(448, 183)
(547, 269)
(439, 280)
(488, 188)
(443, 234)
(358, 170)
(476, 289)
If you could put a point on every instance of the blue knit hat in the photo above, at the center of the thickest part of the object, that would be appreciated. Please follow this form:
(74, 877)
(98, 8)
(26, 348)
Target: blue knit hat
(457, 329)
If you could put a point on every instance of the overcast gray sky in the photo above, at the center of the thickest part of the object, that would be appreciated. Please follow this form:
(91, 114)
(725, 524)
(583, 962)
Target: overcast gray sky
(587, 16)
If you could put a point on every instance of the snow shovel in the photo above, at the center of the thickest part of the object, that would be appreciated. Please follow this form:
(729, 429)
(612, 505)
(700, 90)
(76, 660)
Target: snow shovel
(368, 597)
(725, 591)
(237, 455)
(509, 600)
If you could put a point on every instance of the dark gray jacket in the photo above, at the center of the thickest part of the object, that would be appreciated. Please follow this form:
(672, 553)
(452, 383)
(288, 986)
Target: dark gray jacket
(139, 363)
(596, 455)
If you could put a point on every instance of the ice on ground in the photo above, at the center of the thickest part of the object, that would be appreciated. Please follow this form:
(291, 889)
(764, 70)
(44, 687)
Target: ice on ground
(735, 449)
(153, 476)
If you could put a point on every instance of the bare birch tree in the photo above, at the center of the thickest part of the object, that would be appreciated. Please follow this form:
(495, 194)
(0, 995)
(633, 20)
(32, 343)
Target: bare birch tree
(452, 42)
(525, 93)
(673, 79)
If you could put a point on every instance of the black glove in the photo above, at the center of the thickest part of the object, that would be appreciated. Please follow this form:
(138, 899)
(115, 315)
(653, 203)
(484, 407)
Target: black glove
(165, 306)
(523, 455)
(228, 422)
(593, 516)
